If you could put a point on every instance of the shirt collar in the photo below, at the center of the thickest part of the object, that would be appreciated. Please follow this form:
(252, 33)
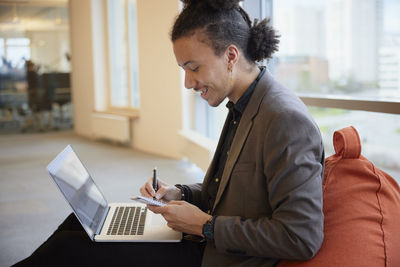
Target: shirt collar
(244, 99)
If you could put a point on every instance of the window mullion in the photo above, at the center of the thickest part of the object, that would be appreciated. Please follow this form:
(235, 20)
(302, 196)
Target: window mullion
(390, 107)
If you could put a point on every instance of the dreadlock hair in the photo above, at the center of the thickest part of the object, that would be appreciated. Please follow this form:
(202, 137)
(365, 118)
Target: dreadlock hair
(224, 23)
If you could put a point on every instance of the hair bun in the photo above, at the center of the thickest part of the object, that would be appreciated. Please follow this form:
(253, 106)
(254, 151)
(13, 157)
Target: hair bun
(263, 40)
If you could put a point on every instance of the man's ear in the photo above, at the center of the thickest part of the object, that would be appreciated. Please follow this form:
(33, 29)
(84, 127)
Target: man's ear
(232, 54)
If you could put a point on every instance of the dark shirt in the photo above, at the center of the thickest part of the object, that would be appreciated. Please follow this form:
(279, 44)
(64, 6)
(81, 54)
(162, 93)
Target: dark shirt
(233, 118)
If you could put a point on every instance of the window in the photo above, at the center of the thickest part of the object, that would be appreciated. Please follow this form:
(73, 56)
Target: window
(34, 66)
(17, 50)
(208, 121)
(344, 55)
(123, 56)
(339, 47)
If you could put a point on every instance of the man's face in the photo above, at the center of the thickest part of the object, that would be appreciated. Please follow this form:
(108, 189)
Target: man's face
(204, 71)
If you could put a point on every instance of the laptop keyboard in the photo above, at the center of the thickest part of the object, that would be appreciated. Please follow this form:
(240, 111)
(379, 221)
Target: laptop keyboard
(128, 221)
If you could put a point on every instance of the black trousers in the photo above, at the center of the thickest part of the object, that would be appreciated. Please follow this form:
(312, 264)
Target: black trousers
(70, 246)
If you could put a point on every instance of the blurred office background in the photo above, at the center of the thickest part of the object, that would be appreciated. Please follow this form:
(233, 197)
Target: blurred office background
(34, 66)
(101, 74)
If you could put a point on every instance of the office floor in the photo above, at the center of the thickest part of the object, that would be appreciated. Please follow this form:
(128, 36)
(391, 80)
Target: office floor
(31, 206)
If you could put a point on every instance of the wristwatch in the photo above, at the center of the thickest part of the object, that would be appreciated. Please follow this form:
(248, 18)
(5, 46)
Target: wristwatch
(182, 191)
(208, 228)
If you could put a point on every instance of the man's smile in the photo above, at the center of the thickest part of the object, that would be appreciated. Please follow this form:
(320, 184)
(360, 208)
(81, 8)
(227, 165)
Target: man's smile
(203, 92)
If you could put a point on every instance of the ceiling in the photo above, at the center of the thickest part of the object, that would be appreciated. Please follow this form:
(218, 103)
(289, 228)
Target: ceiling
(32, 14)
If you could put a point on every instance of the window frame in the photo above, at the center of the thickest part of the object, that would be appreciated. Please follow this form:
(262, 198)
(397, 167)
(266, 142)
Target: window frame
(381, 106)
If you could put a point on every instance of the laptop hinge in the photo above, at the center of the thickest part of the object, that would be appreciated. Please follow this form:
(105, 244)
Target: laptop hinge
(101, 224)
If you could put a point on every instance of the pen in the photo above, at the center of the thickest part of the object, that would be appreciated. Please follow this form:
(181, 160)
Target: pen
(155, 181)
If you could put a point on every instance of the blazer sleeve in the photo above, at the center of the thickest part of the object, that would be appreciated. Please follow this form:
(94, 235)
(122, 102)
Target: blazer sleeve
(195, 191)
(293, 161)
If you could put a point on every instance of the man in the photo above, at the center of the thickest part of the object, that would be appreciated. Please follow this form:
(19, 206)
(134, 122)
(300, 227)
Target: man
(261, 199)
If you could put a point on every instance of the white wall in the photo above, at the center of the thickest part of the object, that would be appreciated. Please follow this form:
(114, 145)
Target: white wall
(156, 129)
(160, 119)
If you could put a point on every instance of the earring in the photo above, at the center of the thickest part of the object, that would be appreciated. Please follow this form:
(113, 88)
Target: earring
(230, 78)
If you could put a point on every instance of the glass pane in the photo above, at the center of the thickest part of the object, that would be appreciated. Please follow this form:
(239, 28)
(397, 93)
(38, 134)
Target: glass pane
(2, 52)
(35, 91)
(18, 41)
(134, 75)
(17, 55)
(118, 53)
(379, 134)
(342, 47)
(201, 117)
(207, 120)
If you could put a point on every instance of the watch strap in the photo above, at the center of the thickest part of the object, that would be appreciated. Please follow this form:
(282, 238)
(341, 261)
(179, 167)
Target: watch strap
(208, 228)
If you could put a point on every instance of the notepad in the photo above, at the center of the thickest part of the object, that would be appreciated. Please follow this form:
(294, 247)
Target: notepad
(150, 201)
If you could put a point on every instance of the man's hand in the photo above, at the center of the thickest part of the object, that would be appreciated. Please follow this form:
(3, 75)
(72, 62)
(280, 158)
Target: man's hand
(182, 216)
(165, 191)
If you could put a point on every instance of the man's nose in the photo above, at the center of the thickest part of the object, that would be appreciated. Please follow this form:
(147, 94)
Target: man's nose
(190, 82)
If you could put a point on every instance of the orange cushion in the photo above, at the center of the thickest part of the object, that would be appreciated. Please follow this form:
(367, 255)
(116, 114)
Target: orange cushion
(361, 209)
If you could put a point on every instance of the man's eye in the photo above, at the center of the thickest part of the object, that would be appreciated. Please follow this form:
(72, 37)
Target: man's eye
(195, 69)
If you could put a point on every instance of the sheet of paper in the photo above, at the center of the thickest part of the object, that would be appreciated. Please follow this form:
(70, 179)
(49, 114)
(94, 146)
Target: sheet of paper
(149, 201)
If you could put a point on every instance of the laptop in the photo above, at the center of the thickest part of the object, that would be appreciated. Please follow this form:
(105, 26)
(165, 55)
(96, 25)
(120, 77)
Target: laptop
(103, 221)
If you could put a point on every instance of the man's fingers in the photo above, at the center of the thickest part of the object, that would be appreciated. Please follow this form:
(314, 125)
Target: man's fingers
(156, 209)
(143, 192)
(150, 189)
(160, 193)
(172, 226)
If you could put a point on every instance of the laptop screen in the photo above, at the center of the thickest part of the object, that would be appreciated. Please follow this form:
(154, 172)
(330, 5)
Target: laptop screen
(79, 189)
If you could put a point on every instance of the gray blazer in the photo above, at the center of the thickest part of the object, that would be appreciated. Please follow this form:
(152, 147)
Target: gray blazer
(269, 202)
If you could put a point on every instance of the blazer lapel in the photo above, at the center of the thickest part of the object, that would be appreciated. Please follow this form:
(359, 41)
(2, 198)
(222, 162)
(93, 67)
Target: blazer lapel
(214, 159)
(237, 145)
(242, 133)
